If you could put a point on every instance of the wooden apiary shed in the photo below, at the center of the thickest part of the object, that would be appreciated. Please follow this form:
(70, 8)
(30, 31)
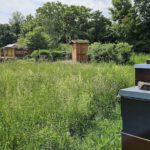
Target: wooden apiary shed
(12, 51)
(8, 51)
(79, 50)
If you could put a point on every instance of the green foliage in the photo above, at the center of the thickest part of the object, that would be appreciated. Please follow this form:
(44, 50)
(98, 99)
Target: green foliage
(6, 35)
(123, 15)
(58, 55)
(143, 8)
(142, 20)
(119, 53)
(37, 39)
(21, 42)
(142, 46)
(62, 52)
(16, 21)
(66, 50)
(131, 23)
(120, 9)
(64, 23)
(52, 55)
(98, 29)
(61, 106)
(65, 47)
(28, 25)
(37, 53)
(139, 58)
(76, 22)
(50, 16)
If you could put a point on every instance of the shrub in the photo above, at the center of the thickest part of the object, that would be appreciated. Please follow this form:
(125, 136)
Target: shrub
(58, 55)
(62, 52)
(65, 47)
(119, 53)
(66, 50)
(37, 54)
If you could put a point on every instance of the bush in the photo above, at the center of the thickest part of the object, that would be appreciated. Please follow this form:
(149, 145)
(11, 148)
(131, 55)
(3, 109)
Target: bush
(65, 47)
(58, 55)
(66, 50)
(41, 54)
(119, 53)
(62, 52)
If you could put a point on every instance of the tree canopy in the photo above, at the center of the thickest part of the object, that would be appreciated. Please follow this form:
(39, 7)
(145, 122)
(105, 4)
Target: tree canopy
(131, 22)
(61, 23)
(15, 21)
(7, 36)
(36, 39)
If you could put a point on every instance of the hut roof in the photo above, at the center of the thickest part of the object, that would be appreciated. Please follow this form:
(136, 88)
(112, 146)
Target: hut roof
(79, 41)
(14, 45)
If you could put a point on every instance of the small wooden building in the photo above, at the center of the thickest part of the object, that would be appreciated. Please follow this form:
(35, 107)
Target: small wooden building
(8, 51)
(11, 51)
(79, 50)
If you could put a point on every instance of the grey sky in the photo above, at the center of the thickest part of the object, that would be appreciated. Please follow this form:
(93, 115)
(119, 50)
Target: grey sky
(30, 6)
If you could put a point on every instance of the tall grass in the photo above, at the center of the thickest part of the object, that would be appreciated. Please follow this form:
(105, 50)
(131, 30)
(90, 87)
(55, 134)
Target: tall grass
(140, 58)
(61, 106)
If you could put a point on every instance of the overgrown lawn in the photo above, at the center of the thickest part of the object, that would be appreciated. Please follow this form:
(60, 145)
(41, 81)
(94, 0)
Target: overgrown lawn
(61, 106)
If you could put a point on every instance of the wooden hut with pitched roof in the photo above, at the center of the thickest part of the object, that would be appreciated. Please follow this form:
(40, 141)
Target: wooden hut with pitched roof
(12, 51)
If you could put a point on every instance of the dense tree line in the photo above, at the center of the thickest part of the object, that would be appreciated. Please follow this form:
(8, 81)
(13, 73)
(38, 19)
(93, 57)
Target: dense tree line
(9, 33)
(61, 23)
(6, 35)
(56, 23)
(131, 23)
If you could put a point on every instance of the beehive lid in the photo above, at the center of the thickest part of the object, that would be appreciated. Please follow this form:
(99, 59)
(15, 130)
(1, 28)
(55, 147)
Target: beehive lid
(142, 66)
(135, 92)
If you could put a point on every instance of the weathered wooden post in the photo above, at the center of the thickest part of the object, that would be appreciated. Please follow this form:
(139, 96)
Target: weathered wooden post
(79, 50)
(135, 111)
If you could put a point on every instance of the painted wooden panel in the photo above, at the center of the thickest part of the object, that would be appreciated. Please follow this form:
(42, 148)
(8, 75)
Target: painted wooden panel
(9, 53)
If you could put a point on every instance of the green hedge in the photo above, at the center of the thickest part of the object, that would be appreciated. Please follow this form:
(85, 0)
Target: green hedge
(65, 50)
(119, 53)
(62, 52)
(41, 55)
(58, 55)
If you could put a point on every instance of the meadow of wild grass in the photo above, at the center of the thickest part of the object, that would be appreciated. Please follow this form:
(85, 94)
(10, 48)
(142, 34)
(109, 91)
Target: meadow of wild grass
(61, 106)
(139, 58)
